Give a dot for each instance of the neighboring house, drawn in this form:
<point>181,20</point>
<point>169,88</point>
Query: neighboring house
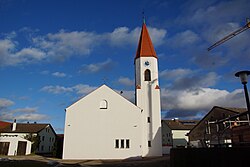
<point>105,125</point>
<point>22,138</point>
<point>174,133</point>
<point>208,134</point>
<point>241,135</point>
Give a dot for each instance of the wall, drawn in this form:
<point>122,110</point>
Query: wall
<point>13,139</point>
<point>148,98</point>
<point>180,138</point>
<point>48,142</point>
<point>90,132</point>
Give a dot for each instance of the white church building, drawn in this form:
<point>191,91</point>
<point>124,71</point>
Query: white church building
<point>105,125</point>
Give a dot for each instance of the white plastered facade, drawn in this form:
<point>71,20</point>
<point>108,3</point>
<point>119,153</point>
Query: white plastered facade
<point>13,143</point>
<point>148,98</point>
<point>96,122</point>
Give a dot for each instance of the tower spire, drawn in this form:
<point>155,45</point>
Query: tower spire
<point>145,46</point>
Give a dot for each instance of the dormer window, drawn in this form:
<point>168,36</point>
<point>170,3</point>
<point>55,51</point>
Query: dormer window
<point>103,104</point>
<point>147,75</point>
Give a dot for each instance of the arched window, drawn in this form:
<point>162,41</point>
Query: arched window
<point>147,75</point>
<point>103,104</point>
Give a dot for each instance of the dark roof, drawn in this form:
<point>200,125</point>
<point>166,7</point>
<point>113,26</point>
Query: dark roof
<point>4,124</point>
<point>237,110</point>
<point>180,124</point>
<point>24,128</point>
<point>232,109</point>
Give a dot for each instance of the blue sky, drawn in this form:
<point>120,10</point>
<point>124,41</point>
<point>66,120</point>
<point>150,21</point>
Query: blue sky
<point>54,52</point>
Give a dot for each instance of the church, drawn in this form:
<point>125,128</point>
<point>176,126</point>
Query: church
<point>105,125</point>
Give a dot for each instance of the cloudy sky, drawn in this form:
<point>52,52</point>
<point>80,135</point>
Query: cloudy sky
<point>54,52</point>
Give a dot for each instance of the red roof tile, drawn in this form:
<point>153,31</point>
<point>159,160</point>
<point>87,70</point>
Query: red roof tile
<point>145,46</point>
<point>4,124</point>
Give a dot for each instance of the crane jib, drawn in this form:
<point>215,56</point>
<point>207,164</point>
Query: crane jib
<point>231,35</point>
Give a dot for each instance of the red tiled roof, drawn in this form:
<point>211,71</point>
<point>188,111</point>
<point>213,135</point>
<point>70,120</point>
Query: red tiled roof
<point>4,124</point>
<point>145,46</point>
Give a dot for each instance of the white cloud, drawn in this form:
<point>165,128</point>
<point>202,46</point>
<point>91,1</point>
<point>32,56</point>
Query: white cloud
<point>185,79</point>
<point>26,110</point>
<point>9,56</point>
<point>126,81</point>
<point>4,103</point>
<point>83,89</point>
<point>179,103</point>
<point>205,13</point>
<point>20,114</point>
<point>127,94</point>
<point>59,74</point>
<point>157,35</point>
<point>123,36</point>
<point>56,89</point>
<point>78,89</point>
<point>93,68</point>
<point>175,73</point>
<point>62,45</point>
<point>31,117</point>
<point>184,39</point>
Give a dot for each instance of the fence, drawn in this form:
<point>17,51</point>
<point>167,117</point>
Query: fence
<point>210,157</point>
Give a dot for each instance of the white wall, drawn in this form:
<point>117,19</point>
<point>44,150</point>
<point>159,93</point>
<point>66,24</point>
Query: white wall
<point>46,145</point>
<point>90,132</point>
<point>13,139</point>
<point>180,138</point>
<point>148,98</point>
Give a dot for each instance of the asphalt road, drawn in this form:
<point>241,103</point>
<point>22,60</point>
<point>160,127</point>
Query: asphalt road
<point>40,161</point>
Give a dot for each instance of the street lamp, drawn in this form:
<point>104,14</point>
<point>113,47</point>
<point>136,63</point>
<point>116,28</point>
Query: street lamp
<point>243,77</point>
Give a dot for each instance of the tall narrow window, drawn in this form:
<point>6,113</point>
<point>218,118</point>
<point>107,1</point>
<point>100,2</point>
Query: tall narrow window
<point>122,143</point>
<point>147,75</point>
<point>149,120</point>
<point>103,104</point>
<point>127,143</point>
<point>116,143</point>
<point>149,143</point>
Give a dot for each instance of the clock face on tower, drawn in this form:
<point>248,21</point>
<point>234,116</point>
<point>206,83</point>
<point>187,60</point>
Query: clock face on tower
<point>146,63</point>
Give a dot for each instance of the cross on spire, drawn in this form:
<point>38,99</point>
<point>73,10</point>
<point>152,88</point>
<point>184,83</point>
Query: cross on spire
<point>143,17</point>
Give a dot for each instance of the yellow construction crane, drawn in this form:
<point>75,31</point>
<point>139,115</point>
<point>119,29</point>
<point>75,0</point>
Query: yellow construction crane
<point>231,35</point>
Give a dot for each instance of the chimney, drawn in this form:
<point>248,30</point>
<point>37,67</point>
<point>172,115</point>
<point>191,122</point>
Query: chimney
<point>14,125</point>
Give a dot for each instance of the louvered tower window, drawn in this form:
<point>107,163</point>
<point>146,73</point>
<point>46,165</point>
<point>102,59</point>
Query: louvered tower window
<point>147,75</point>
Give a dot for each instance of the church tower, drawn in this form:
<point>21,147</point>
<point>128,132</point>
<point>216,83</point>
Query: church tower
<point>148,94</point>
